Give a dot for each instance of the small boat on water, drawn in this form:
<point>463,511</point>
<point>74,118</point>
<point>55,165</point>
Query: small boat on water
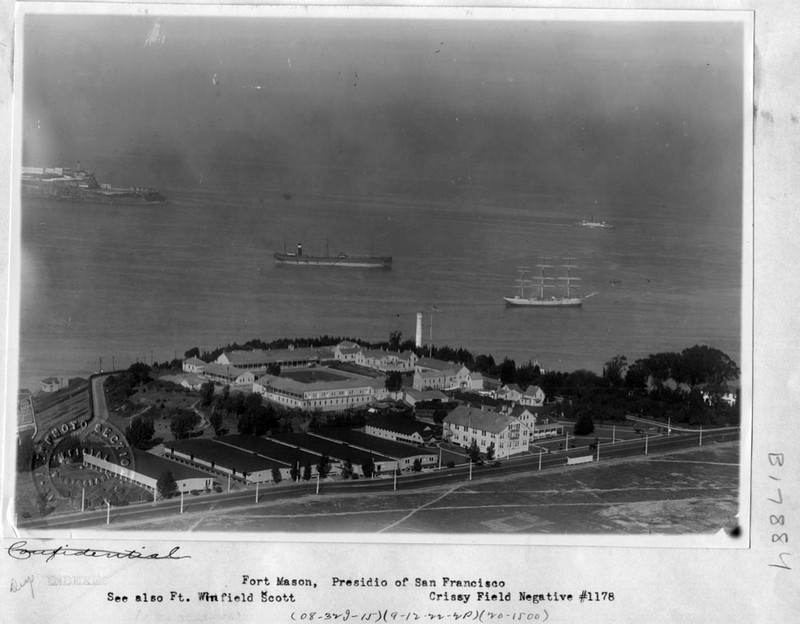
<point>538,299</point>
<point>591,223</point>
<point>298,258</point>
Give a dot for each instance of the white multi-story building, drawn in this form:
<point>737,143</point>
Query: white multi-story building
<point>506,433</point>
<point>534,395</point>
<point>537,419</point>
<point>326,396</point>
<point>193,365</point>
<point>346,351</point>
<point>386,361</point>
<point>455,377</point>
<point>226,374</point>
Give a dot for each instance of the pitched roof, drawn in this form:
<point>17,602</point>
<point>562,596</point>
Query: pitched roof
<point>292,385</point>
<point>398,424</point>
<point>195,361</point>
<point>224,370</point>
<point>426,395</point>
<point>432,374</point>
<point>260,356</point>
<point>154,466</point>
<point>483,420</point>
<point>436,364</point>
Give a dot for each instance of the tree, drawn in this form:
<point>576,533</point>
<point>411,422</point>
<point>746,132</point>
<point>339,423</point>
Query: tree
<point>508,371</point>
<point>274,369</point>
<point>636,375</point>
<point>473,452</point>
<point>394,381</point>
<point>347,470</point>
<point>417,466</point>
<point>395,338</point>
<point>526,375</point>
<point>485,364</point>
<point>368,468</point>
<point>182,423</point>
<point>166,485</point>
<point>140,432</point>
<point>614,371</point>
<point>206,393</point>
<point>215,419</point>
<point>139,373</point>
<point>490,451</point>
<point>585,424</point>
<point>323,466</point>
<point>276,475</point>
<point>294,471</point>
<point>193,352</point>
<point>703,364</point>
<point>307,472</point>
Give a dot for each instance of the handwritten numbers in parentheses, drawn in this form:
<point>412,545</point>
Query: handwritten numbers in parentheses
<point>778,520</point>
<point>19,585</point>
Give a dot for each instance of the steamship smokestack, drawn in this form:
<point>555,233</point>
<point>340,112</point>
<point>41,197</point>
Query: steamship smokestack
<point>418,341</point>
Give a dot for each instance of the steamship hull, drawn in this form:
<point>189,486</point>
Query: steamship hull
<point>342,260</point>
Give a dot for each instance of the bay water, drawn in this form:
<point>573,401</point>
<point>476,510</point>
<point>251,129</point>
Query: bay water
<point>147,282</point>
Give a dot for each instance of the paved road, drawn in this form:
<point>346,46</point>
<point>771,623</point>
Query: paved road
<point>658,444</point>
<point>99,407</point>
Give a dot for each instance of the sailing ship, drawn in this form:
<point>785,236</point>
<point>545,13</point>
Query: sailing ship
<point>298,258</point>
<point>537,297</point>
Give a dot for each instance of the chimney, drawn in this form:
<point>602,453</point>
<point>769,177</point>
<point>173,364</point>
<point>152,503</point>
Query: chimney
<point>418,341</point>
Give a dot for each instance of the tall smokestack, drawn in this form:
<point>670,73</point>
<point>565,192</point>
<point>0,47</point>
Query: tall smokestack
<point>418,340</point>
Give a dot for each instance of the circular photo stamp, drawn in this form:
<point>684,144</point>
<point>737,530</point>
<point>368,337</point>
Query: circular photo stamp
<point>89,462</point>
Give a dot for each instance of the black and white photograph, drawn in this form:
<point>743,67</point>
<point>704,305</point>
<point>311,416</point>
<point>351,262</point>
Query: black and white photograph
<point>399,313</point>
<point>382,275</point>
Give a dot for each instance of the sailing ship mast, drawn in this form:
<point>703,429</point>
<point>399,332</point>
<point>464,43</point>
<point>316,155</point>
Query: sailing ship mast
<point>542,266</point>
<point>569,279</point>
<point>522,283</point>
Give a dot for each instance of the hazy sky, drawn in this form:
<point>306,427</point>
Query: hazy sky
<point>590,109</point>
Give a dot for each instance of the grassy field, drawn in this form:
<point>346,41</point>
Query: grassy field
<point>694,491</point>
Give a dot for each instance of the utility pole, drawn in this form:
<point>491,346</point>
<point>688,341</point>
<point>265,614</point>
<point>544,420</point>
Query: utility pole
<point>645,443</point>
<point>256,491</point>
<point>701,435</point>
<point>395,479</point>
<point>470,469</point>
<point>83,494</point>
<point>540,458</point>
<point>318,482</point>
<point>181,502</point>
<point>108,512</point>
